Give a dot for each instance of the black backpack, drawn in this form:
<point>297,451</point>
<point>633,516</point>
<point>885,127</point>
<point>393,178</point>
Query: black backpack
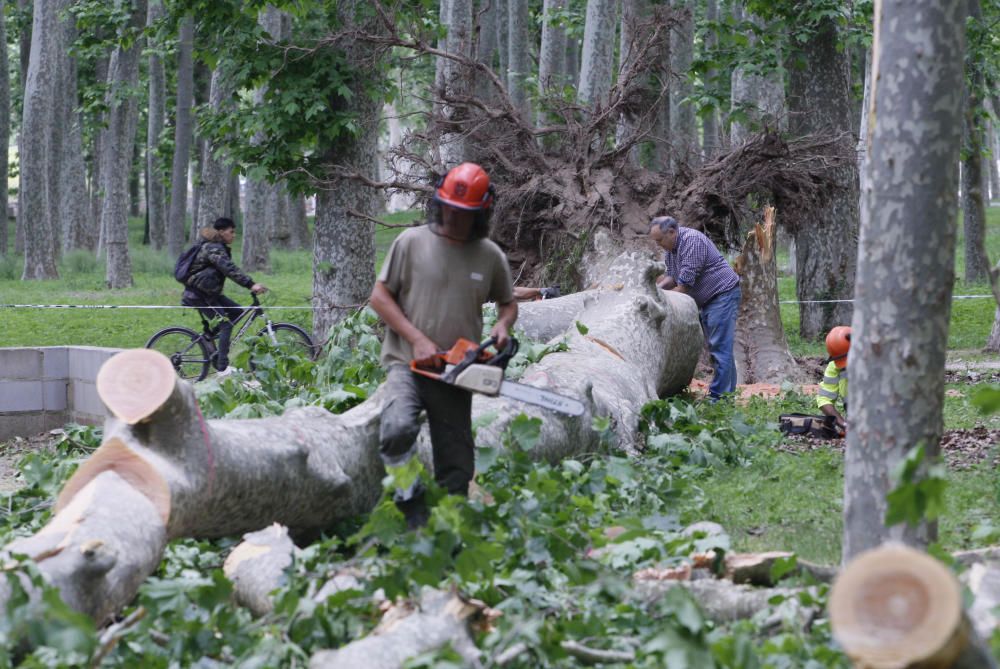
<point>817,427</point>
<point>182,268</point>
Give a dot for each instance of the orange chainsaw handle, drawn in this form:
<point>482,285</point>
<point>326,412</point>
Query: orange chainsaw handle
<point>460,356</point>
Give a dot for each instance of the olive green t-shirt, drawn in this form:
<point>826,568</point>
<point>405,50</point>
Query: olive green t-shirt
<point>441,287</point>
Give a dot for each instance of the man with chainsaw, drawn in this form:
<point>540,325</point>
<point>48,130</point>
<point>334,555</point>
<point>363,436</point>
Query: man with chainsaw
<point>833,388</point>
<point>430,293</point>
<point>695,267</point>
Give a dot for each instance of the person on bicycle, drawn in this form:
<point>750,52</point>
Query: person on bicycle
<point>430,293</point>
<point>203,289</point>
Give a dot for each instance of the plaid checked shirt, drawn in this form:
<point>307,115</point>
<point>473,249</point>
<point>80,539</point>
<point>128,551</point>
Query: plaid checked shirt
<point>696,264</point>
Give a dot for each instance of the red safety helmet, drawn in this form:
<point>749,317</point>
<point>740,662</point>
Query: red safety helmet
<point>838,343</point>
<point>465,187</point>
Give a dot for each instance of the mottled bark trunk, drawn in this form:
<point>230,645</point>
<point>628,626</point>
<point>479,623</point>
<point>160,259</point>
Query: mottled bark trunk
<point>298,225</point>
<point>826,244</point>
<point>24,53</point>
<point>662,148</point>
<point>4,131</point>
<point>183,136</point>
<point>214,174</point>
<point>486,46</point>
<point>77,226</point>
<point>993,137</point>
<point>977,265</point>
<point>455,79</point>
<point>759,98</point>
<point>519,67</point>
<point>119,144</point>
<point>164,472</point>
<point>633,11</point>
<point>280,233</point>
<point>155,190</point>
<point>711,140</point>
<point>598,59</point>
<point>900,329</point>
<point>761,350</point>
<point>993,342</point>
<point>137,166</point>
<point>95,185</point>
<point>552,55</point>
<point>41,138</point>
<point>683,129</point>
<point>502,26</point>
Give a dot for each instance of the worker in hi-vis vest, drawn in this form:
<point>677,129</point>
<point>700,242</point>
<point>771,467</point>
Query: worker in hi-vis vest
<point>833,389</point>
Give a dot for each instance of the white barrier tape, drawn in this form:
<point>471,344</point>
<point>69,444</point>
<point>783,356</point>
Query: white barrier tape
<point>954,297</point>
<point>162,306</point>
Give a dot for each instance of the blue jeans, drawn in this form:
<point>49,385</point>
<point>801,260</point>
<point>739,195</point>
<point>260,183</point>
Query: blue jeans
<point>718,321</point>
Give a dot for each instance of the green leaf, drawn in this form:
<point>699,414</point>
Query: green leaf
<point>987,400</point>
<point>783,566</point>
<point>525,432</point>
<point>581,328</point>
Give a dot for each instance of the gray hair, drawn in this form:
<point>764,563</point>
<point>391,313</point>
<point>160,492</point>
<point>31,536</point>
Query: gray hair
<point>664,223</point>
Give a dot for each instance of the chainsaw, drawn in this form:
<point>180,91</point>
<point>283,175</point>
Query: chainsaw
<point>470,366</point>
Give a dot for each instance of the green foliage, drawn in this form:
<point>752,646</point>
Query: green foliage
<point>919,491</point>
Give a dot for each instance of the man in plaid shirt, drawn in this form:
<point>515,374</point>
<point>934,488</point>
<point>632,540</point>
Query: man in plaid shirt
<point>695,267</point>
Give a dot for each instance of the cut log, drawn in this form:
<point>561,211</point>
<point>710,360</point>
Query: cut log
<point>761,350</point>
<point>191,477</point>
<point>258,565</point>
<point>408,629</point>
<point>896,607</point>
<point>726,602</point>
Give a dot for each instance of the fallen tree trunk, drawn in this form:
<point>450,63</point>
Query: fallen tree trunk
<point>191,477</point>
<point>257,567</point>
<point>894,606</point>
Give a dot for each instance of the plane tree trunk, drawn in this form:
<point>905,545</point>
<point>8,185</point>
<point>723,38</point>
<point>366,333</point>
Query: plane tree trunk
<point>183,136</point>
<point>900,327</point>
<point>164,471</point>
<point>762,354</point>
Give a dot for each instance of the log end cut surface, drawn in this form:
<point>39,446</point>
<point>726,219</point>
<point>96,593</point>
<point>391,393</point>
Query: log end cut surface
<point>135,383</point>
<point>897,607</point>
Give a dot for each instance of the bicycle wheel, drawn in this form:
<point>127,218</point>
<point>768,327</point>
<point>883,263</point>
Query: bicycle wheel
<point>290,339</point>
<point>186,350</point>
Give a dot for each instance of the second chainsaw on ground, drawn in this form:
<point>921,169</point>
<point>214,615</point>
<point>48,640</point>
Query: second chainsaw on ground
<point>471,366</point>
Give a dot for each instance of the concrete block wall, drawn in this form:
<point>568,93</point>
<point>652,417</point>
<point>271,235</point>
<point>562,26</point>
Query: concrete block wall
<point>45,387</point>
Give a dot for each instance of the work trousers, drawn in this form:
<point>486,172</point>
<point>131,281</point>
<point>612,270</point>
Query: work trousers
<point>718,320</point>
<point>223,308</point>
<point>449,415</point>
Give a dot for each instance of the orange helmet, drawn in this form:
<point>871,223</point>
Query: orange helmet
<point>465,187</point>
<point>838,342</point>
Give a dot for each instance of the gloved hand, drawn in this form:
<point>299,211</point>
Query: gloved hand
<point>550,292</point>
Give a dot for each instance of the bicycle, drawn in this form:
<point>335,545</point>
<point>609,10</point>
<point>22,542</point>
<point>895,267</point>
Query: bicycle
<point>192,353</point>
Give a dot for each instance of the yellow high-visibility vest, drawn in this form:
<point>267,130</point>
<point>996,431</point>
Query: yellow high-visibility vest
<point>833,387</point>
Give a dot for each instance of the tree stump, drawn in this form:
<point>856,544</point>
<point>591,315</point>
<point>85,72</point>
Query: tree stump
<point>895,607</point>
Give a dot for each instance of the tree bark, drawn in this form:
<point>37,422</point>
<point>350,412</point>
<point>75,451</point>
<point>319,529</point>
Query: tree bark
<point>977,266</point>
<point>4,132</point>
<point>711,142</point>
<point>993,341</point>
<point>298,224</point>
<point>41,138</point>
<point>900,329</point>
<point>597,61</point>
<point>502,29</point>
<point>309,468</point>
<point>155,190</point>
<point>760,97</point>
<point>993,137</point>
<point>455,80</point>
<point>552,55</point>
<point>825,245</point>
<point>183,136</point>
<point>24,49</point>
<point>633,11</point>
<point>214,174</point>
<point>761,351</point>
<point>518,56</point>
<point>117,149</point>
<point>258,565</point>
<point>683,129</point>
<point>898,607</point>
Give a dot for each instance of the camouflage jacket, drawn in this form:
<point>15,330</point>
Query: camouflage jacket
<point>212,265</point>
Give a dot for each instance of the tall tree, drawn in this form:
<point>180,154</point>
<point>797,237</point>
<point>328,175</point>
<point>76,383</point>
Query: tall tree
<point>298,226</point>
<point>633,12</point>
<point>518,56</point>
<point>4,130</point>
<point>78,225</point>
<point>710,120</point>
<point>214,174</point>
<point>503,28</point>
<point>552,55</point>
<point>994,146</point>
<point>183,136</point>
<point>597,61</point>
<point>683,126</point>
<point>454,80</point>
<point>757,94</point>
<point>118,146</point>
<point>41,137</point>
<point>900,327</point>
<point>156,113</point>
<point>820,101</point>
<point>974,139</point>
<point>25,8</point>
